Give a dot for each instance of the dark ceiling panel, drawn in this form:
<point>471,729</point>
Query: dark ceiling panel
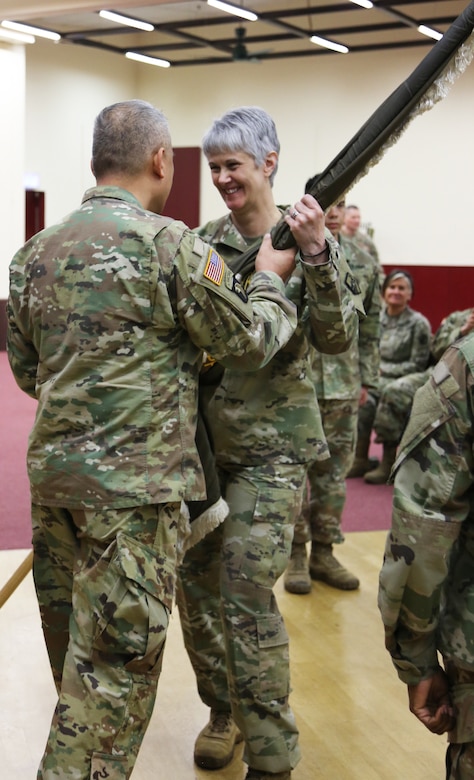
<point>191,33</point>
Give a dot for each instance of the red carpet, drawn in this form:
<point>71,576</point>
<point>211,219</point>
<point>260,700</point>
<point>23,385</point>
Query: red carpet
<point>368,507</point>
<point>17,415</point>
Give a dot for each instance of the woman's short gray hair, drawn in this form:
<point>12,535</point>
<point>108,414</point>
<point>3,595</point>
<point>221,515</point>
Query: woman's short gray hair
<point>246,129</point>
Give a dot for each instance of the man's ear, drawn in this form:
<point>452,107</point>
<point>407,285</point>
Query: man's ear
<point>92,167</point>
<point>270,163</point>
<point>159,162</point>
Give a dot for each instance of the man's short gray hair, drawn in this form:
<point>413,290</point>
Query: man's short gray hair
<point>125,135</point>
<point>246,129</point>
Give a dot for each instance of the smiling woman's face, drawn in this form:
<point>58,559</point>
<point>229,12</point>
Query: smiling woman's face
<point>397,293</point>
<point>239,180</point>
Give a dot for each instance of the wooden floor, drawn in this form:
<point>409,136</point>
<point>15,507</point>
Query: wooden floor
<point>351,709</point>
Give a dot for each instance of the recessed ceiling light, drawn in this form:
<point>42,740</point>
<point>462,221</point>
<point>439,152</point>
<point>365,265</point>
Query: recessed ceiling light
<point>127,21</point>
<point>329,44</point>
<point>236,10</point>
<point>363,3</point>
<point>132,55</point>
<point>424,30</point>
<point>26,28</point>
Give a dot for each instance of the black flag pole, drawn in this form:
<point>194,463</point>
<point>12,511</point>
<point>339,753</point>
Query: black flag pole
<point>424,87</point>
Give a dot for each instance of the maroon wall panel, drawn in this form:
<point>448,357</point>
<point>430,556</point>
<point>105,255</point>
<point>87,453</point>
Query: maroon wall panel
<point>184,199</point>
<point>439,290</point>
<point>34,212</point>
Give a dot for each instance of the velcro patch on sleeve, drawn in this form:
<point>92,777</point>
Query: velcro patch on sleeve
<point>352,284</point>
<point>214,269</point>
<point>444,379</point>
<point>198,246</point>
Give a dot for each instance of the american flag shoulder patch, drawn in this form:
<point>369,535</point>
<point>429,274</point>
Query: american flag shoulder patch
<point>214,270</point>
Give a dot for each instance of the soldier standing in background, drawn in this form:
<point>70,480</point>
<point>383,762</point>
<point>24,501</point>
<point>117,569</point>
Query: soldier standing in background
<point>405,343</point>
<point>266,428</point>
<point>350,229</point>
<point>108,316</point>
<point>426,587</point>
<point>342,382</point>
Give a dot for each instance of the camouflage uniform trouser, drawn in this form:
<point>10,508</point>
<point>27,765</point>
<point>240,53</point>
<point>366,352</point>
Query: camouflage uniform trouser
<point>105,583</point>
<point>387,409</point>
<point>325,494</point>
<point>460,753</point>
<point>233,631</point>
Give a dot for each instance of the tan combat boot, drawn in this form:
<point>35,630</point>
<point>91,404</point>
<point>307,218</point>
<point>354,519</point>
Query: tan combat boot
<point>325,567</point>
<point>297,579</point>
<point>380,475</point>
<point>361,463</point>
<point>214,746</point>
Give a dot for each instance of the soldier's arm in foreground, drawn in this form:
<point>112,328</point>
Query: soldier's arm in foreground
<point>433,478</point>
<point>239,328</point>
<point>242,328</point>
<point>22,354</point>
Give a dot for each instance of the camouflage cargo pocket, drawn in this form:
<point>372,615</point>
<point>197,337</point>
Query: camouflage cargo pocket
<point>130,619</point>
<point>266,536</point>
<point>260,667</point>
<point>110,767</point>
<point>274,681</point>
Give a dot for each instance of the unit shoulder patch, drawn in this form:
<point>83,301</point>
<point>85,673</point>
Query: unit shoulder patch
<point>352,284</point>
<point>234,284</point>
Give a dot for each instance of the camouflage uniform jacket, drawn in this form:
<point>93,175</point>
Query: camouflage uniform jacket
<point>365,242</point>
<point>448,332</point>
<point>109,313</point>
<point>426,590</point>
<point>272,415</point>
<point>405,343</point>
<point>341,376</point>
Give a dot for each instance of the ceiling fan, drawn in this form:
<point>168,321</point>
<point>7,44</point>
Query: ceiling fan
<point>240,52</point>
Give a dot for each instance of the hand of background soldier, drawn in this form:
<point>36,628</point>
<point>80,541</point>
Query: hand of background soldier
<point>430,702</point>
<point>280,261</point>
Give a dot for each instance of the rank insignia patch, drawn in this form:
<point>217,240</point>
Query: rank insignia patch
<point>352,284</point>
<point>238,288</point>
<point>214,269</point>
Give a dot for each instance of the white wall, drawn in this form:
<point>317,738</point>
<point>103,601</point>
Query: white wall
<point>12,146</point>
<point>418,198</point>
<point>66,87</point>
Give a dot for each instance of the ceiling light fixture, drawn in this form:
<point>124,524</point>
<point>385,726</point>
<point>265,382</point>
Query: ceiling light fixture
<point>25,28</point>
<point>329,44</point>
<point>132,55</point>
<point>15,37</point>
<point>236,10</point>
<point>424,30</point>
<point>126,20</point>
<point>363,3</point>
